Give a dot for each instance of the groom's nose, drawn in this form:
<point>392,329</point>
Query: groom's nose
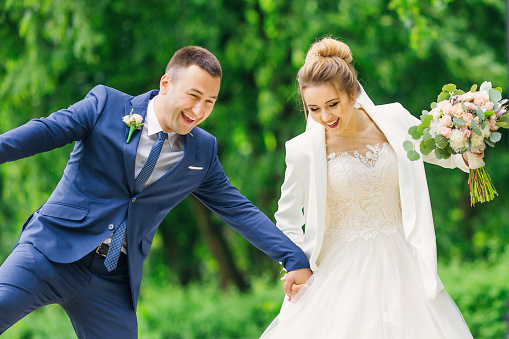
<point>198,109</point>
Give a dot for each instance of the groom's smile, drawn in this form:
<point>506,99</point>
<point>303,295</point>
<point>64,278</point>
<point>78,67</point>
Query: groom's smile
<point>186,100</point>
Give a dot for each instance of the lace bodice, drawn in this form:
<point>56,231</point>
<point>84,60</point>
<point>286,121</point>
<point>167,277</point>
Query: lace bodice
<point>363,193</point>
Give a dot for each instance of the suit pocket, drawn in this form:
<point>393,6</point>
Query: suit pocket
<point>145,245</point>
<point>62,211</point>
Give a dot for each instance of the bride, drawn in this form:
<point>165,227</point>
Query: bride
<point>369,232</point>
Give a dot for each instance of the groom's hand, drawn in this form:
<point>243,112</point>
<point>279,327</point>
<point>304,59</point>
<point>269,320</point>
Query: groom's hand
<point>296,277</point>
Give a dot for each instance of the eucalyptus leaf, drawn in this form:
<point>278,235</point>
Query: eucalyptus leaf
<point>450,150</point>
<point>412,130</point>
<point>502,124</point>
<point>499,89</point>
<point>495,136</point>
<point>483,123</point>
<point>426,121</point>
<point>475,128</point>
<point>443,143</point>
<point>464,107</point>
<point>496,106</point>
<point>480,113</point>
<point>459,121</point>
<point>433,105</point>
<point>443,96</point>
<point>489,143</point>
<point>430,143</point>
<point>503,118</point>
<point>485,86</point>
<point>473,88</point>
<point>449,87</point>
<point>458,92</point>
<point>413,155</point>
<point>438,155</point>
<point>495,96</point>
<point>426,151</point>
<point>408,145</point>
<point>416,135</point>
<point>503,101</point>
<point>438,138</point>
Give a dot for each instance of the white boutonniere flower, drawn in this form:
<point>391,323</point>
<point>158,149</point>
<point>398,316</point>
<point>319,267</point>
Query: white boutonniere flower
<point>134,122</point>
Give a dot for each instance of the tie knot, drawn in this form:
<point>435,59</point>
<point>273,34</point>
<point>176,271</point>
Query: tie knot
<point>162,135</point>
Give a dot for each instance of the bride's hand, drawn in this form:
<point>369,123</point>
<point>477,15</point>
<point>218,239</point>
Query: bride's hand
<point>295,280</point>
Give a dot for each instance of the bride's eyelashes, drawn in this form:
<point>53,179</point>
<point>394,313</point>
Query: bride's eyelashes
<point>314,109</point>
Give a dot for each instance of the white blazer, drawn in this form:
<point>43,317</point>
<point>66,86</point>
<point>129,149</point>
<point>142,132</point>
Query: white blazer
<point>304,191</point>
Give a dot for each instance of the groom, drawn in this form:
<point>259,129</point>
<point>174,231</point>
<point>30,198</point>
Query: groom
<point>84,248</point>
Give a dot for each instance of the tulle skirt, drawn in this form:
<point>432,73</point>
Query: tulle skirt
<point>367,289</point>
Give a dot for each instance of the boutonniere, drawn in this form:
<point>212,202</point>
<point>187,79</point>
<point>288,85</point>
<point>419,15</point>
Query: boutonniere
<point>133,121</point>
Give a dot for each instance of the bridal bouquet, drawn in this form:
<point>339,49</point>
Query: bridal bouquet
<point>460,123</point>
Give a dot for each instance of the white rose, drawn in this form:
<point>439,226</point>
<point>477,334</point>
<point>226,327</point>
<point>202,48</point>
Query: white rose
<point>456,140</point>
<point>486,132</point>
<point>476,140</point>
<point>434,127</point>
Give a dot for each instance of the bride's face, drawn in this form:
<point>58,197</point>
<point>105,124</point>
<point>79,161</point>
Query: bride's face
<point>330,108</point>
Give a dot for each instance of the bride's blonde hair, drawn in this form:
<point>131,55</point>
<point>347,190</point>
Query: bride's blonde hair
<point>329,61</point>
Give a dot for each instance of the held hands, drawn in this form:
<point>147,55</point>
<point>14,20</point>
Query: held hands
<point>295,280</point>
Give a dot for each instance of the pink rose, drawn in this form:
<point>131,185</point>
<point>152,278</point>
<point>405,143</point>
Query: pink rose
<point>493,126</point>
<point>468,117</point>
<point>488,105</point>
<point>445,131</point>
<point>478,100</point>
<point>446,120</point>
<point>470,105</point>
<point>136,117</point>
<point>466,134</point>
<point>467,96</point>
<point>457,110</point>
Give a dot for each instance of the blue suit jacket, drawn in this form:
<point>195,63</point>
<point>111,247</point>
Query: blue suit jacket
<point>97,187</point>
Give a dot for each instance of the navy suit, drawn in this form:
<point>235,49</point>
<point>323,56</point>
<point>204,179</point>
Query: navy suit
<point>96,191</point>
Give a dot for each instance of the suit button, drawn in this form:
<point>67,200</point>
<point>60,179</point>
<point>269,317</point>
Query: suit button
<point>111,227</point>
<point>133,199</point>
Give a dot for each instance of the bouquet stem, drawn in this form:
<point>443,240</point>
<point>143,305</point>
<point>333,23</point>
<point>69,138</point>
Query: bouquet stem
<point>481,186</point>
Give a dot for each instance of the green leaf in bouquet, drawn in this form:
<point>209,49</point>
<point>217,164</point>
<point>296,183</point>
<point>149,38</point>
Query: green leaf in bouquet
<point>433,105</point>
<point>464,107</point>
<point>430,143</point>
<point>483,123</point>
<point>414,132</point>
<point>489,143</point>
<point>501,124</point>
<point>426,151</point>
<point>413,155</point>
<point>488,114</point>
<point>475,128</point>
<point>495,96</point>
<point>408,145</point>
<point>443,152</point>
<point>449,88</point>
<point>503,118</point>
<point>425,134</point>
<point>473,88</point>
<point>438,155</point>
<point>443,143</point>
<point>424,114</point>
<point>426,121</point>
<point>480,113</point>
<point>459,121</point>
<point>485,86</point>
<point>499,89</point>
<point>450,150</point>
<point>501,102</point>
<point>458,92</point>
<point>495,136</point>
<point>443,96</point>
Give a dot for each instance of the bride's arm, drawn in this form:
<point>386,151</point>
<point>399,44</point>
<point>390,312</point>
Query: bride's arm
<point>290,216</point>
<point>454,161</point>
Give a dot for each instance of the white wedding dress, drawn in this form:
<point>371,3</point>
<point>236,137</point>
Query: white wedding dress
<point>368,284</point>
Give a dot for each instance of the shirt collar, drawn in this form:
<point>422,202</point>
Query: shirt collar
<point>153,126</point>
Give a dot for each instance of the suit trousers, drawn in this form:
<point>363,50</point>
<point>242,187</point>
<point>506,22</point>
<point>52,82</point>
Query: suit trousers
<point>98,302</point>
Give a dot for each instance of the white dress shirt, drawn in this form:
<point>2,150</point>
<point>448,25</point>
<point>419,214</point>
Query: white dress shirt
<point>171,153</point>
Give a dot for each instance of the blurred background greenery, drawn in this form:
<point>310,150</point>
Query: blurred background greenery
<point>202,280</point>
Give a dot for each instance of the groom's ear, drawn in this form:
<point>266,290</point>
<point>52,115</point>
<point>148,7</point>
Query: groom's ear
<point>165,83</point>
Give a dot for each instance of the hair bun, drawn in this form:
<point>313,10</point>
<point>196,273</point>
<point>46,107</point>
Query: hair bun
<point>329,47</point>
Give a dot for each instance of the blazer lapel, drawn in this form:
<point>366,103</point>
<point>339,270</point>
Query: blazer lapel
<point>139,106</point>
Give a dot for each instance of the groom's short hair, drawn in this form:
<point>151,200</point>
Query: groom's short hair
<point>193,55</point>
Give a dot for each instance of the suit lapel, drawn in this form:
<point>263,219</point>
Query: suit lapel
<point>139,106</point>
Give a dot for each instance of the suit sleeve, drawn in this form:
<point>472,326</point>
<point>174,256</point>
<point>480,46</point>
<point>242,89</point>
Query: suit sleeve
<point>233,208</point>
<point>289,216</point>
<point>455,161</point>
<point>56,130</point>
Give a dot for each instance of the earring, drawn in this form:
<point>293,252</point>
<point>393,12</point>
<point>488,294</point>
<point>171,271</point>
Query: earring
<point>356,104</point>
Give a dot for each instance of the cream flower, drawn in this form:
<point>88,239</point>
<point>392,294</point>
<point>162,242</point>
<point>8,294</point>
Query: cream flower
<point>456,140</point>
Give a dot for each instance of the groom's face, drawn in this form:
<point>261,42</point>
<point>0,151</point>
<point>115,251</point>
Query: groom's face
<point>186,101</point>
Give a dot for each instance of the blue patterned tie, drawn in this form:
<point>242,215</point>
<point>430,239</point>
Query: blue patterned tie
<point>118,236</point>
